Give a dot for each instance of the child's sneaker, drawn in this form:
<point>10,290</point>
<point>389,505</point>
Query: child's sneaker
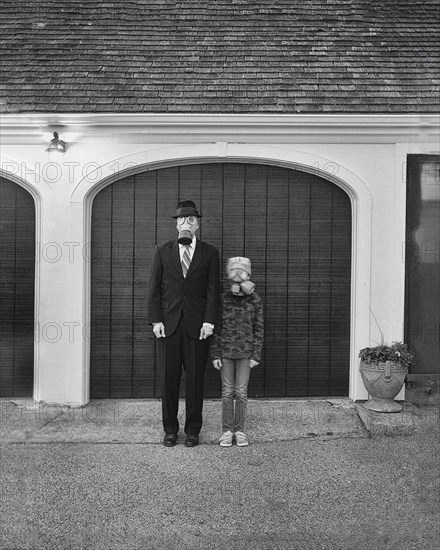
<point>226,439</point>
<point>241,439</point>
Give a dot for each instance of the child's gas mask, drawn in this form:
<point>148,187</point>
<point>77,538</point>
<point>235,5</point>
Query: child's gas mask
<point>186,226</point>
<point>239,272</point>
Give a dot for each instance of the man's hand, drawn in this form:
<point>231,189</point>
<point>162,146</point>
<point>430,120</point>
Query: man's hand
<point>253,363</point>
<point>206,331</point>
<point>159,330</point>
<point>217,363</point>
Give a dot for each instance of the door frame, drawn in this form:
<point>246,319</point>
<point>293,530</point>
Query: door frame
<point>164,157</point>
<point>35,194</point>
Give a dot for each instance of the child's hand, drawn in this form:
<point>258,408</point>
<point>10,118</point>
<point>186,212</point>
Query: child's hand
<point>217,364</point>
<point>253,363</point>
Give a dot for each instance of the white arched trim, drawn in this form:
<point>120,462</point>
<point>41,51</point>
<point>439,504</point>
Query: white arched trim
<point>352,184</point>
<point>37,202</point>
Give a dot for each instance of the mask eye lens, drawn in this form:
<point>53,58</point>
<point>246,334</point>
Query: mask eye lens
<point>240,272</point>
<point>190,219</point>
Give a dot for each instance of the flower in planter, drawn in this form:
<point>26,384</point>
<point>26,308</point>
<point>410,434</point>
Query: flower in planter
<point>397,352</point>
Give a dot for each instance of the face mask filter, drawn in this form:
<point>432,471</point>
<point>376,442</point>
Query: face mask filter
<point>247,287</point>
<point>185,237</point>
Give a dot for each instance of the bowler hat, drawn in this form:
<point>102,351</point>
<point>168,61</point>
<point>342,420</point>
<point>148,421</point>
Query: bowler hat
<point>186,208</point>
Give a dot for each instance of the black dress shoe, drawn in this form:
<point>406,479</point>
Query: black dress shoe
<point>191,440</point>
<point>170,440</point>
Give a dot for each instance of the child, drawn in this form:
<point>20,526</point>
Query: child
<point>236,347</point>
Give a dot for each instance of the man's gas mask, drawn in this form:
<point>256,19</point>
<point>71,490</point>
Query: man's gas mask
<point>186,226</point>
<point>239,272</point>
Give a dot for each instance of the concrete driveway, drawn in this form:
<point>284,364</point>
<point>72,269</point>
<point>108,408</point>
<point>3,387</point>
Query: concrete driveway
<point>312,478</point>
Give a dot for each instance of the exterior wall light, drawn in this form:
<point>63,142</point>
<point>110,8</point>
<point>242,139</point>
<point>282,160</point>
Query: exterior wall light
<point>57,144</point>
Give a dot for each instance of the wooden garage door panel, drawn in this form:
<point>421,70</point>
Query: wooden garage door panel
<point>17,278</point>
<point>295,227</point>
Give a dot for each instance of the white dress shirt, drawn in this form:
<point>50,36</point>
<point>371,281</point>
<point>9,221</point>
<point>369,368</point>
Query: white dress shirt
<point>191,250</point>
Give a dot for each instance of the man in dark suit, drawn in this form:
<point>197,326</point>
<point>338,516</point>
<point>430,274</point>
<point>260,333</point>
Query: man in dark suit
<point>183,297</point>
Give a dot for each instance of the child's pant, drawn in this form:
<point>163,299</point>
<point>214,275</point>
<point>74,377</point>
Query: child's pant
<point>235,377</point>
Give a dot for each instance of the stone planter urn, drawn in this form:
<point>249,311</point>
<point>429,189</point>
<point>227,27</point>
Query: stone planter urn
<point>383,381</point>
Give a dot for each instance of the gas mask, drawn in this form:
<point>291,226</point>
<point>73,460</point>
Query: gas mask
<point>239,272</point>
<point>186,226</point>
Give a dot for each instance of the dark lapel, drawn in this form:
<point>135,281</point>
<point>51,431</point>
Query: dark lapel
<point>197,257</point>
<point>175,256</point>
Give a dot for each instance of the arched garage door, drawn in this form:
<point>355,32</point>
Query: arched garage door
<point>295,227</point>
<point>17,281</point>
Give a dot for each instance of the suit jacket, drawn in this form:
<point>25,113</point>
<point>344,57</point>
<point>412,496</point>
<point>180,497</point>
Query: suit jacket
<point>171,294</point>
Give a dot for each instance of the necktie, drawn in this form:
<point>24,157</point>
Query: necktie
<point>186,260</point>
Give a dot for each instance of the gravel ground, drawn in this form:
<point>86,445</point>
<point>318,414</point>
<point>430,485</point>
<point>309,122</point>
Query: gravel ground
<point>315,493</point>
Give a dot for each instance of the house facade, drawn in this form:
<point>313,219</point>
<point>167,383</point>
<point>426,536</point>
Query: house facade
<point>307,134</point>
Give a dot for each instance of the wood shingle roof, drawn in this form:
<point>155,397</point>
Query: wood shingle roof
<point>220,56</point>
